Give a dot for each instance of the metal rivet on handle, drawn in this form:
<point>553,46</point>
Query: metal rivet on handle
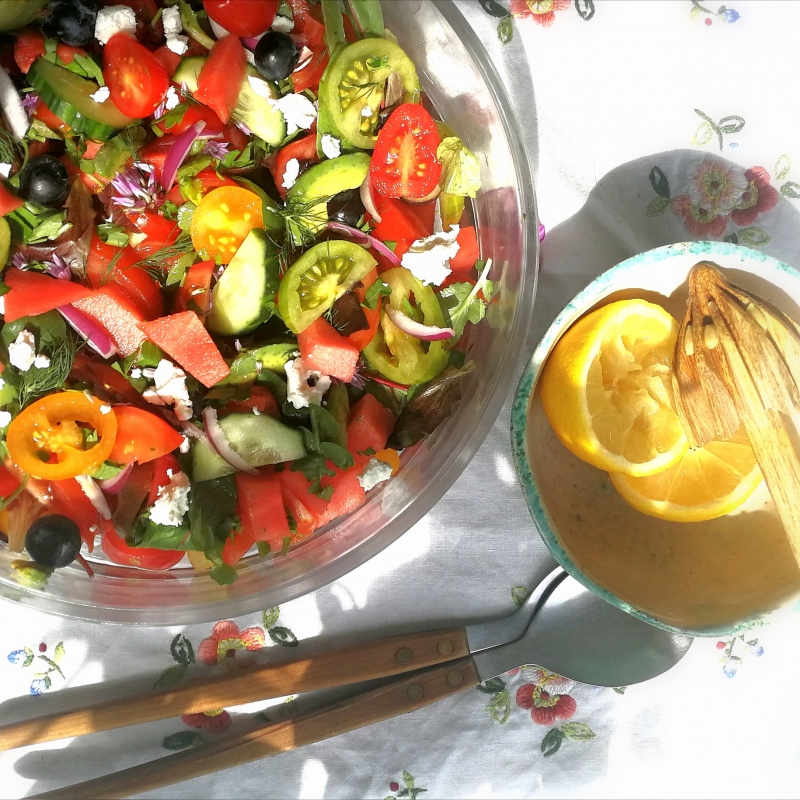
<point>415,692</point>
<point>403,656</point>
<point>455,678</point>
<point>445,647</point>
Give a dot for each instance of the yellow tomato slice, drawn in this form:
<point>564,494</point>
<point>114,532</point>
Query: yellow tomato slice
<point>223,219</point>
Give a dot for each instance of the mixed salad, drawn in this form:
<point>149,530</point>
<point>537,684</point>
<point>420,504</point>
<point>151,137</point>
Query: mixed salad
<point>239,275</point>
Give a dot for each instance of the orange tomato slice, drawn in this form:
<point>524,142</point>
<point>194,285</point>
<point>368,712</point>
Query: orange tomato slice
<point>223,219</point>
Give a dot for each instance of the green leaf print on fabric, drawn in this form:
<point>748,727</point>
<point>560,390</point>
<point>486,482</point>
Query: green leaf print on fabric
<point>782,167</point>
<point>791,189</point>
<point>552,742</point>
<point>704,134</point>
<point>659,182</point>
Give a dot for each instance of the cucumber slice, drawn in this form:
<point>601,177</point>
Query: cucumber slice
<point>16,13</point>
<point>67,96</point>
<point>259,440</point>
<point>252,109</point>
<point>239,300</point>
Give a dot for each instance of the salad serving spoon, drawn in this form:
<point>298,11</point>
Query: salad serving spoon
<point>561,626</point>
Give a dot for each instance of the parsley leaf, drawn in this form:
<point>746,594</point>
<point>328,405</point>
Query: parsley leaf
<point>461,171</point>
<point>378,289</point>
<point>468,307</point>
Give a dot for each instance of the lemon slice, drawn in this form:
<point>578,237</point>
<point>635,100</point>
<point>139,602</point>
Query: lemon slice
<point>707,482</point>
<point>607,389</point>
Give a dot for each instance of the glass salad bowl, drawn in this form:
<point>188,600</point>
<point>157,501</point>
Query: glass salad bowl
<point>463,87</point>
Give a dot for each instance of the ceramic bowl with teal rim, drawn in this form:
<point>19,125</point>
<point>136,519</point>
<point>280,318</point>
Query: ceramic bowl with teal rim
<point>711,578</point>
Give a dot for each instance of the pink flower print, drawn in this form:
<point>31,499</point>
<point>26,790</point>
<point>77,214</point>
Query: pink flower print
<point>226,639</point>
<point>555,684</point>
<point>717,187</point>
<point>214,721</point>
<point>545,708</point>
<point>542,11</point>
<point>700,222</point>
<point>757,198</point>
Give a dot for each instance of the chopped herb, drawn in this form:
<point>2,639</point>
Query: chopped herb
<point>113,234</point>
<point>378,289</point>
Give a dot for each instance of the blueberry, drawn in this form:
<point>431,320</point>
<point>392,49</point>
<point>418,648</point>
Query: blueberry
<point>44,181</point>
<point>53,540</point>
<point>73,21</point>
<point>276,56</point>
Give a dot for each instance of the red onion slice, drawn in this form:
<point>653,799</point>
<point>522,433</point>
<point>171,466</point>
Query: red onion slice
<point>217,29</point>
<point>178,152</point>
<point>114,485</point>
<point>303,59</point>
<point>426,333</point>
<point>386,382</point>
<point>364,239</point>
<point>95,335</point>
<point>96,497</point>
<point>220,443</point>
<point>368,200</point>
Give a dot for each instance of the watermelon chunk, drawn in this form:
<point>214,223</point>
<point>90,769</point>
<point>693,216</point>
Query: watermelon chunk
<point>324,349</point>
<point>369,428</point>
<point>113,308</point>
<point>183,337</point>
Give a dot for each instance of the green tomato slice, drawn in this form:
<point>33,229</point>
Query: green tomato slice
<point>396,355</point>
<point>355,80</point>
<point>318,279</point>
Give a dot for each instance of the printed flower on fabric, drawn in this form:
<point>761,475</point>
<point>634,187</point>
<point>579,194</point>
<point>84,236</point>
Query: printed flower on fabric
<point>542,11</point>
<point>226,639</point>
<point>757,198</point>
<point>715,190</point>
<point>546,698</point>
<point>214,721</point>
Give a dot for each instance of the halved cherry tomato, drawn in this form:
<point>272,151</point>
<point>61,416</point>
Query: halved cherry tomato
<point>404,162</point>
<point>310,75</point>
<point>242,17</point>
<point>195,113</point>
<point>196,289</point>
<point>136,79</point>
<point>164,467</point>
<point>106,382</point>
<point>361,339</point>
<point>303,149</point>
<point>115,547</point>
<point>221,76</point>
<point>159,230</point>
<point>142,436</point>
<point>50,425</point>
<point>223,219</point>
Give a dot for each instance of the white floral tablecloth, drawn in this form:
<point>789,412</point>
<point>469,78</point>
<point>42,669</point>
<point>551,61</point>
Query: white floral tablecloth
<point>652,122</point>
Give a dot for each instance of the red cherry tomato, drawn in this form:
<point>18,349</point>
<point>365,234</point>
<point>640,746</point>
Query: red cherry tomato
<point>404,162</point>
<point>242,17</point>
<point>136,79</point>
<point>115,547</point>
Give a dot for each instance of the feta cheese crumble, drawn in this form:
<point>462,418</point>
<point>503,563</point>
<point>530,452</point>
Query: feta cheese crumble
<point>41,361</point>
<point>331,146</point>
<point>22,351</point>
<point>297,110</point>
<point>304,386</point>
<point>290,173</point>
<point>172,99</point>
<point>136,373</point>
<point>5,169</point>
<point>105,408</point>
<point>374,473</point>
<point>282,24</point>
<point>367,112</point>
<point>170,389</point>
<point>101,95</point>
<point>173,28</point>
<point>5,419</point>
<point>185,445</point>
<point>172,502</point>
<point>112,20</point>
<point>428,259</point>
<point>2,304</point>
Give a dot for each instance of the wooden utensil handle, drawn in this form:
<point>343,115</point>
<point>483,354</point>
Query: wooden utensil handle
<point>399,697</point>
<point>379,658</point>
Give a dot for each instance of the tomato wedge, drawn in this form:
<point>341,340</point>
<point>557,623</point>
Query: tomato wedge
<point>142,436</point>
<point>136,79</point>
<point>242,17</point>
<point>404,162</point>
<point>221,76</point>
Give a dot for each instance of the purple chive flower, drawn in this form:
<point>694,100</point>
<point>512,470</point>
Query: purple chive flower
<point>358,381</point>
<point>29,102</point>
<point>58,268</point>
<point>217,150</point>
<point>243,128</point>
<point>541,232</point>
<point>20,261</point>
<point>136,188</point>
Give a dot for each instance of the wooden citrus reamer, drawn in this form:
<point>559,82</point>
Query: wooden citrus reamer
<point>737,361</point>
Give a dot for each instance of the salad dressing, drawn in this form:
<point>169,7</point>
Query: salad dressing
<point>690,575</point>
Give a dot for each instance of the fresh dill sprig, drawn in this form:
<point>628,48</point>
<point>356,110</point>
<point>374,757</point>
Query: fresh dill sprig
<point>38,381</point>
<point>303,221</point>
<point>9,149</point>
<point>156,263</point>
